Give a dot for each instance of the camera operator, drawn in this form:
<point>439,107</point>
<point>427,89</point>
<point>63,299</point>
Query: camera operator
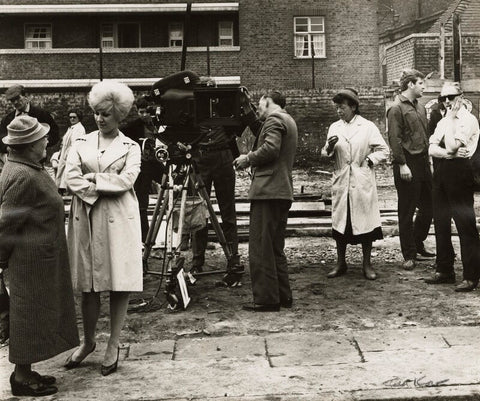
<point>216,152</point>
<point>140,129</point>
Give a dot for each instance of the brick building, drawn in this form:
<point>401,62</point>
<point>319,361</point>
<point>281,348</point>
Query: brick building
<point>422,50</point>
<point>263,44</point>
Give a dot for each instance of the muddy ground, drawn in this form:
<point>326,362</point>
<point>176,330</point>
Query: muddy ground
<point>397,299</point>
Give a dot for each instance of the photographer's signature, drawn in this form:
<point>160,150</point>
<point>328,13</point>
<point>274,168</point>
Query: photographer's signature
<point>416,382</point>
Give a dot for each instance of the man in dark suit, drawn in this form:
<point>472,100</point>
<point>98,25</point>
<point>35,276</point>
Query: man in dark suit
<point>139,130</point>
<point>17,97</point>
<point>271,195</point>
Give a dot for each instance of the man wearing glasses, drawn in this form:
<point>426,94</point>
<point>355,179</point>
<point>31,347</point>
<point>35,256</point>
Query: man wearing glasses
<point>75,131</point>
<point>453,143</point>
<point>17,97</point>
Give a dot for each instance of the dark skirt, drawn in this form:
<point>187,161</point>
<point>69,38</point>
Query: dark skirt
<point>350,238</point>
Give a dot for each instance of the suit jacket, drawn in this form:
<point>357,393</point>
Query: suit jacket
<point>41,115</point>
<point>273,156</point>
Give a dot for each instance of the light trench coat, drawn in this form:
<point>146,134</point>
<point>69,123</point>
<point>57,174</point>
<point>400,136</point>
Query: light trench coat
<point>353,179</point>
<point>104,233</point>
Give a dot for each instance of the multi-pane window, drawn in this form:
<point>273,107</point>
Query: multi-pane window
<point>309,35</point>
<point>107,36</point>
<point>225,33</point>
<point>38,36</point>
<point>120,35</point>
<point>175,34</point>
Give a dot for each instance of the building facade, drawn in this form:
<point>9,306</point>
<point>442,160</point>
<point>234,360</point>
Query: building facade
<point>260,43</point>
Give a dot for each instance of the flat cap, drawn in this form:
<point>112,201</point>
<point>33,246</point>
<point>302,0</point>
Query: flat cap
<point>14,91</point>
<point>348,93</point>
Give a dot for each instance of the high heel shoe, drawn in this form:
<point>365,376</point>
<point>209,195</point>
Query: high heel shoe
<point>71,364</point>
<point>108,370</point>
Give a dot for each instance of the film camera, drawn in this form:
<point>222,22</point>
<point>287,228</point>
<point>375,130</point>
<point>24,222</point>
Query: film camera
<point>184,104</point>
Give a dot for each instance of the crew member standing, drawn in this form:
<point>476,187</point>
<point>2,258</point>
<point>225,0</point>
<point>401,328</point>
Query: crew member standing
<point>271,195</point>
<point>17,97</point>
<point>452,144</point>
<point>407,134</point>
<point>139,130</point>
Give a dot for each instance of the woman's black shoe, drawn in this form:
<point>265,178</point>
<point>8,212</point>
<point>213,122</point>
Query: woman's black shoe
<point>32,388</point>
<point>108,370</point>
<point>44,379</point>
<point>71,364</point>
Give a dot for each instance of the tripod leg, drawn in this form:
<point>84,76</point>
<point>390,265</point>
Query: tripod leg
<point>233,276</point>
<point>158,214</point>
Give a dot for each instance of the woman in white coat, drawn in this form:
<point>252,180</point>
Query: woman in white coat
<point>356,146</point>
<point>104,231</point>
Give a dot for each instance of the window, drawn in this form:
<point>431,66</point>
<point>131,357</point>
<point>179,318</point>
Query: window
<point>175,34</point>
<point>309,31</point>
<point>38,36</point>
<point>225,33</point>
<point>120,35</point>
<point>108,37</point>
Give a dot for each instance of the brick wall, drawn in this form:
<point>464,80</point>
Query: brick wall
<point>422,52</point>
<point>312,110</point>
<point>265,59</point>
<point>399,57</point>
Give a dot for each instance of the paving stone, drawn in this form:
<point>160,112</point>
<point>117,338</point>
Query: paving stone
<point>385,340</point>
<point>311,349</point>
<point>152,351</point>
<point>220,347</point>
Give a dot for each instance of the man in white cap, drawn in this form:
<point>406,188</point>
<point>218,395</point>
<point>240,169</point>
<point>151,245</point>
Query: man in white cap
<point>453,143</point>
<point>16,95</point>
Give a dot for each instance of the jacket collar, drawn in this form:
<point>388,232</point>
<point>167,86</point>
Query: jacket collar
<point>17,158</point>
<point>117,149</point>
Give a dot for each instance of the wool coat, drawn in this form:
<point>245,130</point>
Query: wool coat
<point>33,245</point>
<point>104,233</point>
<point>353,179</point>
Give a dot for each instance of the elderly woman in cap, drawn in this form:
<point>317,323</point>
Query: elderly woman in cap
<point>34,249</point>
<point>356,146</point>
<point>104,225</point>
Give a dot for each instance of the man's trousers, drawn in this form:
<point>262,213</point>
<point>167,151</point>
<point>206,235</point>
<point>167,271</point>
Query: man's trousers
<point>268,263</point>
<point>414,194</point>
<point>453,198</point>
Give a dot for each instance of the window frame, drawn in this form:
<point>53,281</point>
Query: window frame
<point>309,35</point>
<point>114,37</point>
<point>48,40</point>
<point>229,37</point>
<point>170,31</point>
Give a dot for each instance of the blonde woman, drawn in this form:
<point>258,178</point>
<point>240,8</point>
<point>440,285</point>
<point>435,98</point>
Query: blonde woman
<point>104,226</point>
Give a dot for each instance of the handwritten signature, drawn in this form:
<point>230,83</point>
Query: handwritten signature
<point>416,382</point>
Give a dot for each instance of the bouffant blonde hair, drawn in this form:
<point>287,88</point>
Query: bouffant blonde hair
<point>111,96</point>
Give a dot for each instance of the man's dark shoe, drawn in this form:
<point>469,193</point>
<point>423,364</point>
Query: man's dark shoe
<point>261,308</point>
<point>287,303</point>
<point>409,264</point>
<point>441,278</point>
<point>337,271</point>
<point>466,286</point>
<point>424,253</point>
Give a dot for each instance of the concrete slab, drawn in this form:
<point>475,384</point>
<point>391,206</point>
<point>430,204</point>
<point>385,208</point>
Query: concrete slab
<point>370,341</point>
<point>152,352</point>
<point>311,349</point>
<point>220,348</point>
<point>292,367</point>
